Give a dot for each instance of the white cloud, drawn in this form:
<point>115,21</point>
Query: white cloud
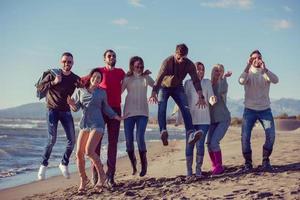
<point>287,9</point>
<point>281,24</point>
<point>136,3</point>
<point>120,21</point>
<point>241,4</point>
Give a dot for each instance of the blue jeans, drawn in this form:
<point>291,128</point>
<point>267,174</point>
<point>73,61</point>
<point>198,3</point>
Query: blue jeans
<point>179,96</point>
<point>189,149</point>
<point>66,119</point>
<point>265,117</point>
<point>141,124</point>
<point>216,133</point>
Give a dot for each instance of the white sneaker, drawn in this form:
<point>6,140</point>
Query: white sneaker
<point>195,136</point>
<point>64,170</point>
<point>42,173</point>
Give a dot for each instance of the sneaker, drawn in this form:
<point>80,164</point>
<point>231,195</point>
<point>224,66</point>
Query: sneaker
<point>64,170</point>
<point>164,137</point>
<point>194,136</point>
<point>42,173</point>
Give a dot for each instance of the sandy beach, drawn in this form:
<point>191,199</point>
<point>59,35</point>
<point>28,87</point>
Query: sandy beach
<point>166,175</point>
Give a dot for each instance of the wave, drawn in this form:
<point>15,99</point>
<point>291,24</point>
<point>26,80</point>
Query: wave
<point>19,126</point>
<point>3,136</point>
<point>15,171</point>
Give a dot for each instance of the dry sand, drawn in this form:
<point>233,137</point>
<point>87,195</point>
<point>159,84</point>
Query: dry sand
<point>166,170</point>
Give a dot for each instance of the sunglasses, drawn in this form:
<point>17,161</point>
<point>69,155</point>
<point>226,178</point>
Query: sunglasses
<point>111,56</point>
<point>66,61</point>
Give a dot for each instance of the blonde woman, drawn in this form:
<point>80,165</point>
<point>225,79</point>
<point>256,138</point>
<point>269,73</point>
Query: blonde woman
<point>220,118</point>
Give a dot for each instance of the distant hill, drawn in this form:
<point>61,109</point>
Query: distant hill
<point>38,110</point>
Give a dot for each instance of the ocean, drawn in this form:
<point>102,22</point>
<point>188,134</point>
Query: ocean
<point>22,143</point>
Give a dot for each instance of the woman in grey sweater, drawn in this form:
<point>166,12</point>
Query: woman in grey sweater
<point>220,118</point>
<point>92,101</point>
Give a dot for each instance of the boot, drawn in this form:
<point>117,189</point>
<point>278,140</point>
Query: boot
<point>132,158</point>
<point>189,164</point>
<point>199,162</point>
<point>218,161</point>
<point>110,180</point>
<point>266,165</point>
<point>144,163</point>
<point>248,161</point>
<point>213,162</point>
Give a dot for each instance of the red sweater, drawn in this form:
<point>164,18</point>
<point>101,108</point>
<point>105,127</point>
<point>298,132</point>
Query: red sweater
<point>112,83</point>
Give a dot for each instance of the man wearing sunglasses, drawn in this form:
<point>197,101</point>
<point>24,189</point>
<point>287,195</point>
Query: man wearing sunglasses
<point>169,83</point>
<point>58,89</point>
<point>111,83</point>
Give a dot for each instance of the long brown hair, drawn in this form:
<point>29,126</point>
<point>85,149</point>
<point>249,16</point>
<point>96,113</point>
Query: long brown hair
<point>88,81</point>
<point>131,64</point>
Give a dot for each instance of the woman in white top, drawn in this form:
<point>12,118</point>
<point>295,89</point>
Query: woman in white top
<point>200,117</point>
<point>136,110</point>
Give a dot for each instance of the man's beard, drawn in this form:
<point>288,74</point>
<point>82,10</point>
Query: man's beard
<point>67,68</point>
<point>112,63</point>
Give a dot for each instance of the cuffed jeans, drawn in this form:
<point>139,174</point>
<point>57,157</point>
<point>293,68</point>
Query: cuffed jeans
<point>189,148</point>
<point>141,124</point>
<point>113,129</point>
<point>66,119</point>
<point>216,133</point>
<point>179,96</point>
<point>266,119</point>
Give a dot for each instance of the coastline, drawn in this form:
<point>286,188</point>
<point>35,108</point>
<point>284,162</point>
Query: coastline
<point>166,170</point>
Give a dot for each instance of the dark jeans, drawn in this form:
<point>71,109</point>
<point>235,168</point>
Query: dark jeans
<point>265,117</point>
<point>141,124</point>
<point>179,96</point>
<point>66,119</point>
<point>113,128</point>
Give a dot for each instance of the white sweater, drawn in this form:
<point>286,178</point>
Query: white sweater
<point>136,99</point>
<point>199,115</point>
<point>257,87</point>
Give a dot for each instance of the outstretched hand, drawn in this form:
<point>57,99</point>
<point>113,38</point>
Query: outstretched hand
<point>120,118</point>
<point>201,103</point>
<point>228,74</point>
<point>146,72</point>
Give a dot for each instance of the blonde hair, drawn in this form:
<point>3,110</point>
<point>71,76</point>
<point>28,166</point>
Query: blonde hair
<point>219,67</point>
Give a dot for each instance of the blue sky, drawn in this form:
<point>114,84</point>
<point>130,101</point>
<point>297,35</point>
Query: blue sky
<point>34,33</point>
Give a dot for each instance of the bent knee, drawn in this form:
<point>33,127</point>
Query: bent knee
<point>80,154</point>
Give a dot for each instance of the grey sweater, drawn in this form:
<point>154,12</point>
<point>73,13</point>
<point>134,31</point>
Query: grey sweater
<point>219,111</point>
<point>92,105</point>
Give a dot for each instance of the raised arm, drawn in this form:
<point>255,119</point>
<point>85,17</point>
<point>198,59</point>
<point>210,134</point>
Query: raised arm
<point>45,84</point>
<point>268,75</point>
<point>150,81</point>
